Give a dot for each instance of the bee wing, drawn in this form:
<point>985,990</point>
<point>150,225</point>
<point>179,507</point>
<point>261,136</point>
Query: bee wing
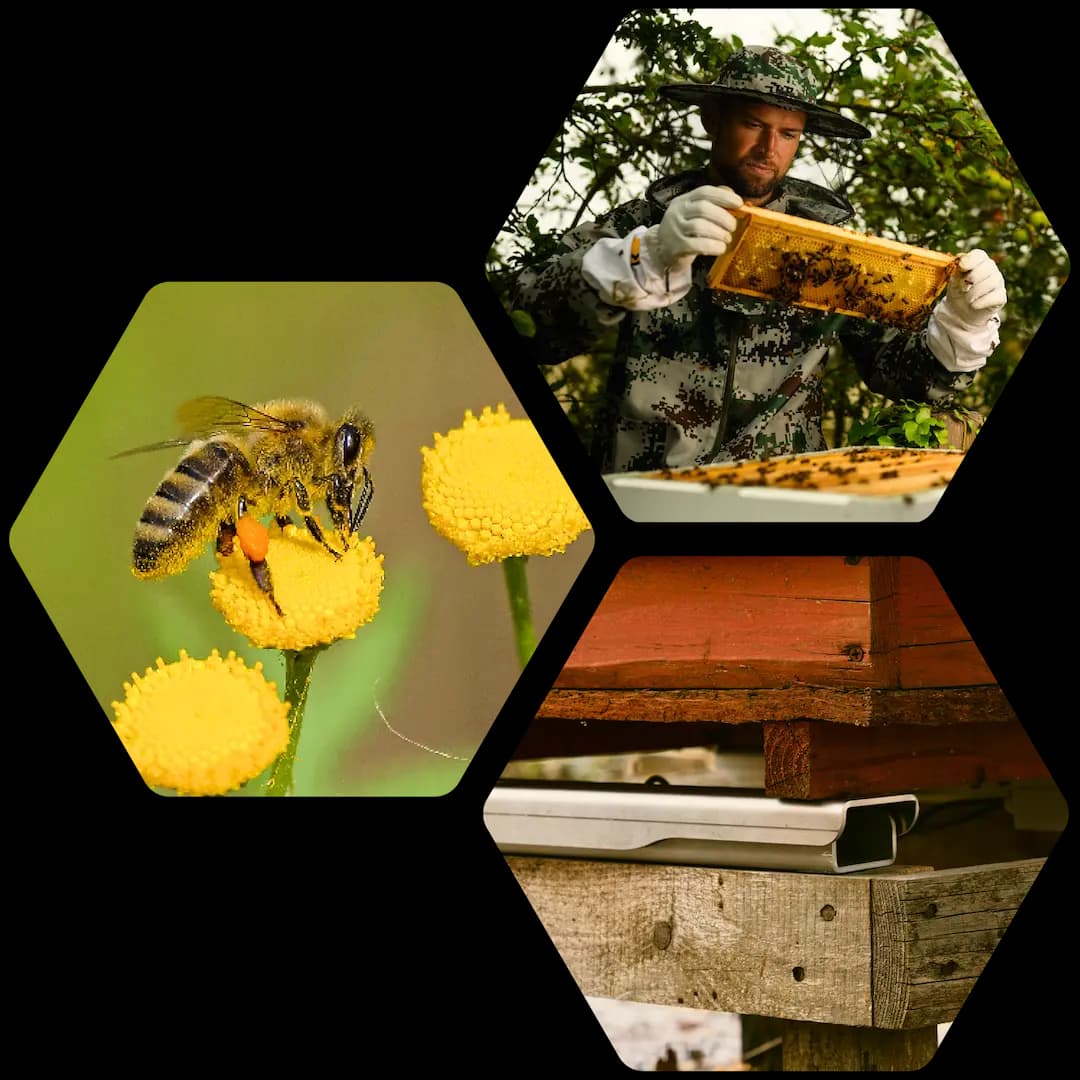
<point>203,416</point>
<point>150,446</point>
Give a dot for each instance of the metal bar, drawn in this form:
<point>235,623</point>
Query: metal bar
<point>710,827</point>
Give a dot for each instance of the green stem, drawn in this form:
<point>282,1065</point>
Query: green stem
<point>298,665</point>
<point>517,587</point>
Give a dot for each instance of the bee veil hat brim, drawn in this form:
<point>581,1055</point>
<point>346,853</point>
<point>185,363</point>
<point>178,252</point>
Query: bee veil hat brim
<point>762,73</point>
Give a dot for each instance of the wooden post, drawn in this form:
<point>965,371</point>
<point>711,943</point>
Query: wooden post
<point>895,949</point>
<point>813,760</point>
<point>810,1047</point>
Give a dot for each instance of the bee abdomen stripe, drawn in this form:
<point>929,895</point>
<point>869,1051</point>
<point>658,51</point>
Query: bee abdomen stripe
<point>199,469</point>
<point>156,515</point>
<point>158,532</point>
<point>146,554</point>
<point>177,501</point>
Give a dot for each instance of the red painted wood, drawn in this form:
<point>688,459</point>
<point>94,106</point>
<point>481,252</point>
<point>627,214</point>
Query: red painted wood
<point>935,646</point>
<point>861,706</point>
<point>813,760</point>
<point>734,622</point>
<point>728,622</point>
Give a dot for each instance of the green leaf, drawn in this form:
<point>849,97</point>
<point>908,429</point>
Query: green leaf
<point>922,157</point>
<point>523,323</point>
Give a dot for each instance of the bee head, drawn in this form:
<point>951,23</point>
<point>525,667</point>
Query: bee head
<point>353,443</point>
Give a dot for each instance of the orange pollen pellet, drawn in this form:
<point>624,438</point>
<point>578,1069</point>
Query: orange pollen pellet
<point>254,538</point>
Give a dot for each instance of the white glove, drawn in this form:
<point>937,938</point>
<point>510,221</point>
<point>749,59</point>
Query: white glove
<point>697,223</point>
<point>651,268</point>
<point>963,329</point>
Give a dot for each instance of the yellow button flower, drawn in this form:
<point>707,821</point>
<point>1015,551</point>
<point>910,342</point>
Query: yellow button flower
<point>202,727</point>
<point>321,598</point>
<point>492,488</point>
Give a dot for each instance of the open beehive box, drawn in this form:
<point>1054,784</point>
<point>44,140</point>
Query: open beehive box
<point>808,264</point>
<point>861,470</point>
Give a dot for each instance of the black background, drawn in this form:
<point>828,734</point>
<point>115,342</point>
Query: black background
<point>389,934</point>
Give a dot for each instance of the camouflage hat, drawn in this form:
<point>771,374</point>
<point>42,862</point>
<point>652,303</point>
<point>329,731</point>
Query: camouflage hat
<point>763,73</point>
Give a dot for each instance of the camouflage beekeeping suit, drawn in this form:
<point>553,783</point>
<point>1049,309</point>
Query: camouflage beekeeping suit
<point>716,376</point>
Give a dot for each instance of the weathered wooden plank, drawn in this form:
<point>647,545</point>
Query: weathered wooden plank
<point>710,705</point>
<point>928,966</point>
<point>808,1047</point>
<point>837,949</point>
<point>994,914</point>
<point>814,760</point>
<point>940,705</point>
<point>777,944</point>
<point>842,662</point>
<point>861,707</point>
<point>933,934</point>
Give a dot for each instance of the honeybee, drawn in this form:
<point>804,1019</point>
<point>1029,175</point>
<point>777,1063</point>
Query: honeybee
<point>246,462</point>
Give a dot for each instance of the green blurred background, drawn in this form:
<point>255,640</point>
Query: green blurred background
<point>439,658</point>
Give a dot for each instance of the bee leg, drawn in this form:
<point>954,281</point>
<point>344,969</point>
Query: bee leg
<point>363,501</point>
<point>260,571</point>
<point>303,500</point>
<point>254,542</point>
<point>226,537</point>
<point>316,530</point>
<point>283,520</point>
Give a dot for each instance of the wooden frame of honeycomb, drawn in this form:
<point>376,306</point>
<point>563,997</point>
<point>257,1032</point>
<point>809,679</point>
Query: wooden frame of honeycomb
<point>808,264</point>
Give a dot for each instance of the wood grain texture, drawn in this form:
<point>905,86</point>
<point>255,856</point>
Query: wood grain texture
<point>812,760</point>
<point>946,663</point>
<point>808,1047</point>
<point>711,706</point>
<point>746,622</point>
<point>895,949</point>
<point>884,620</point>
<point>933,934</point>
<point>931,645</point>
<point>735,941</point>
<point>728,622</point>
<point>925,614</point>
<point>862,707</point>
<point>937,706</point>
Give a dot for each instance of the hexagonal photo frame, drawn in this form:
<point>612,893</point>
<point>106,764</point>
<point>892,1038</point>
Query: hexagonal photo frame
<point>783,788</point>
<point>365,625</point>
<point>855,392</point>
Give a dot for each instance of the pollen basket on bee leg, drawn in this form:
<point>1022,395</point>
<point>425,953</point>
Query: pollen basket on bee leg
<point>254,538</point>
